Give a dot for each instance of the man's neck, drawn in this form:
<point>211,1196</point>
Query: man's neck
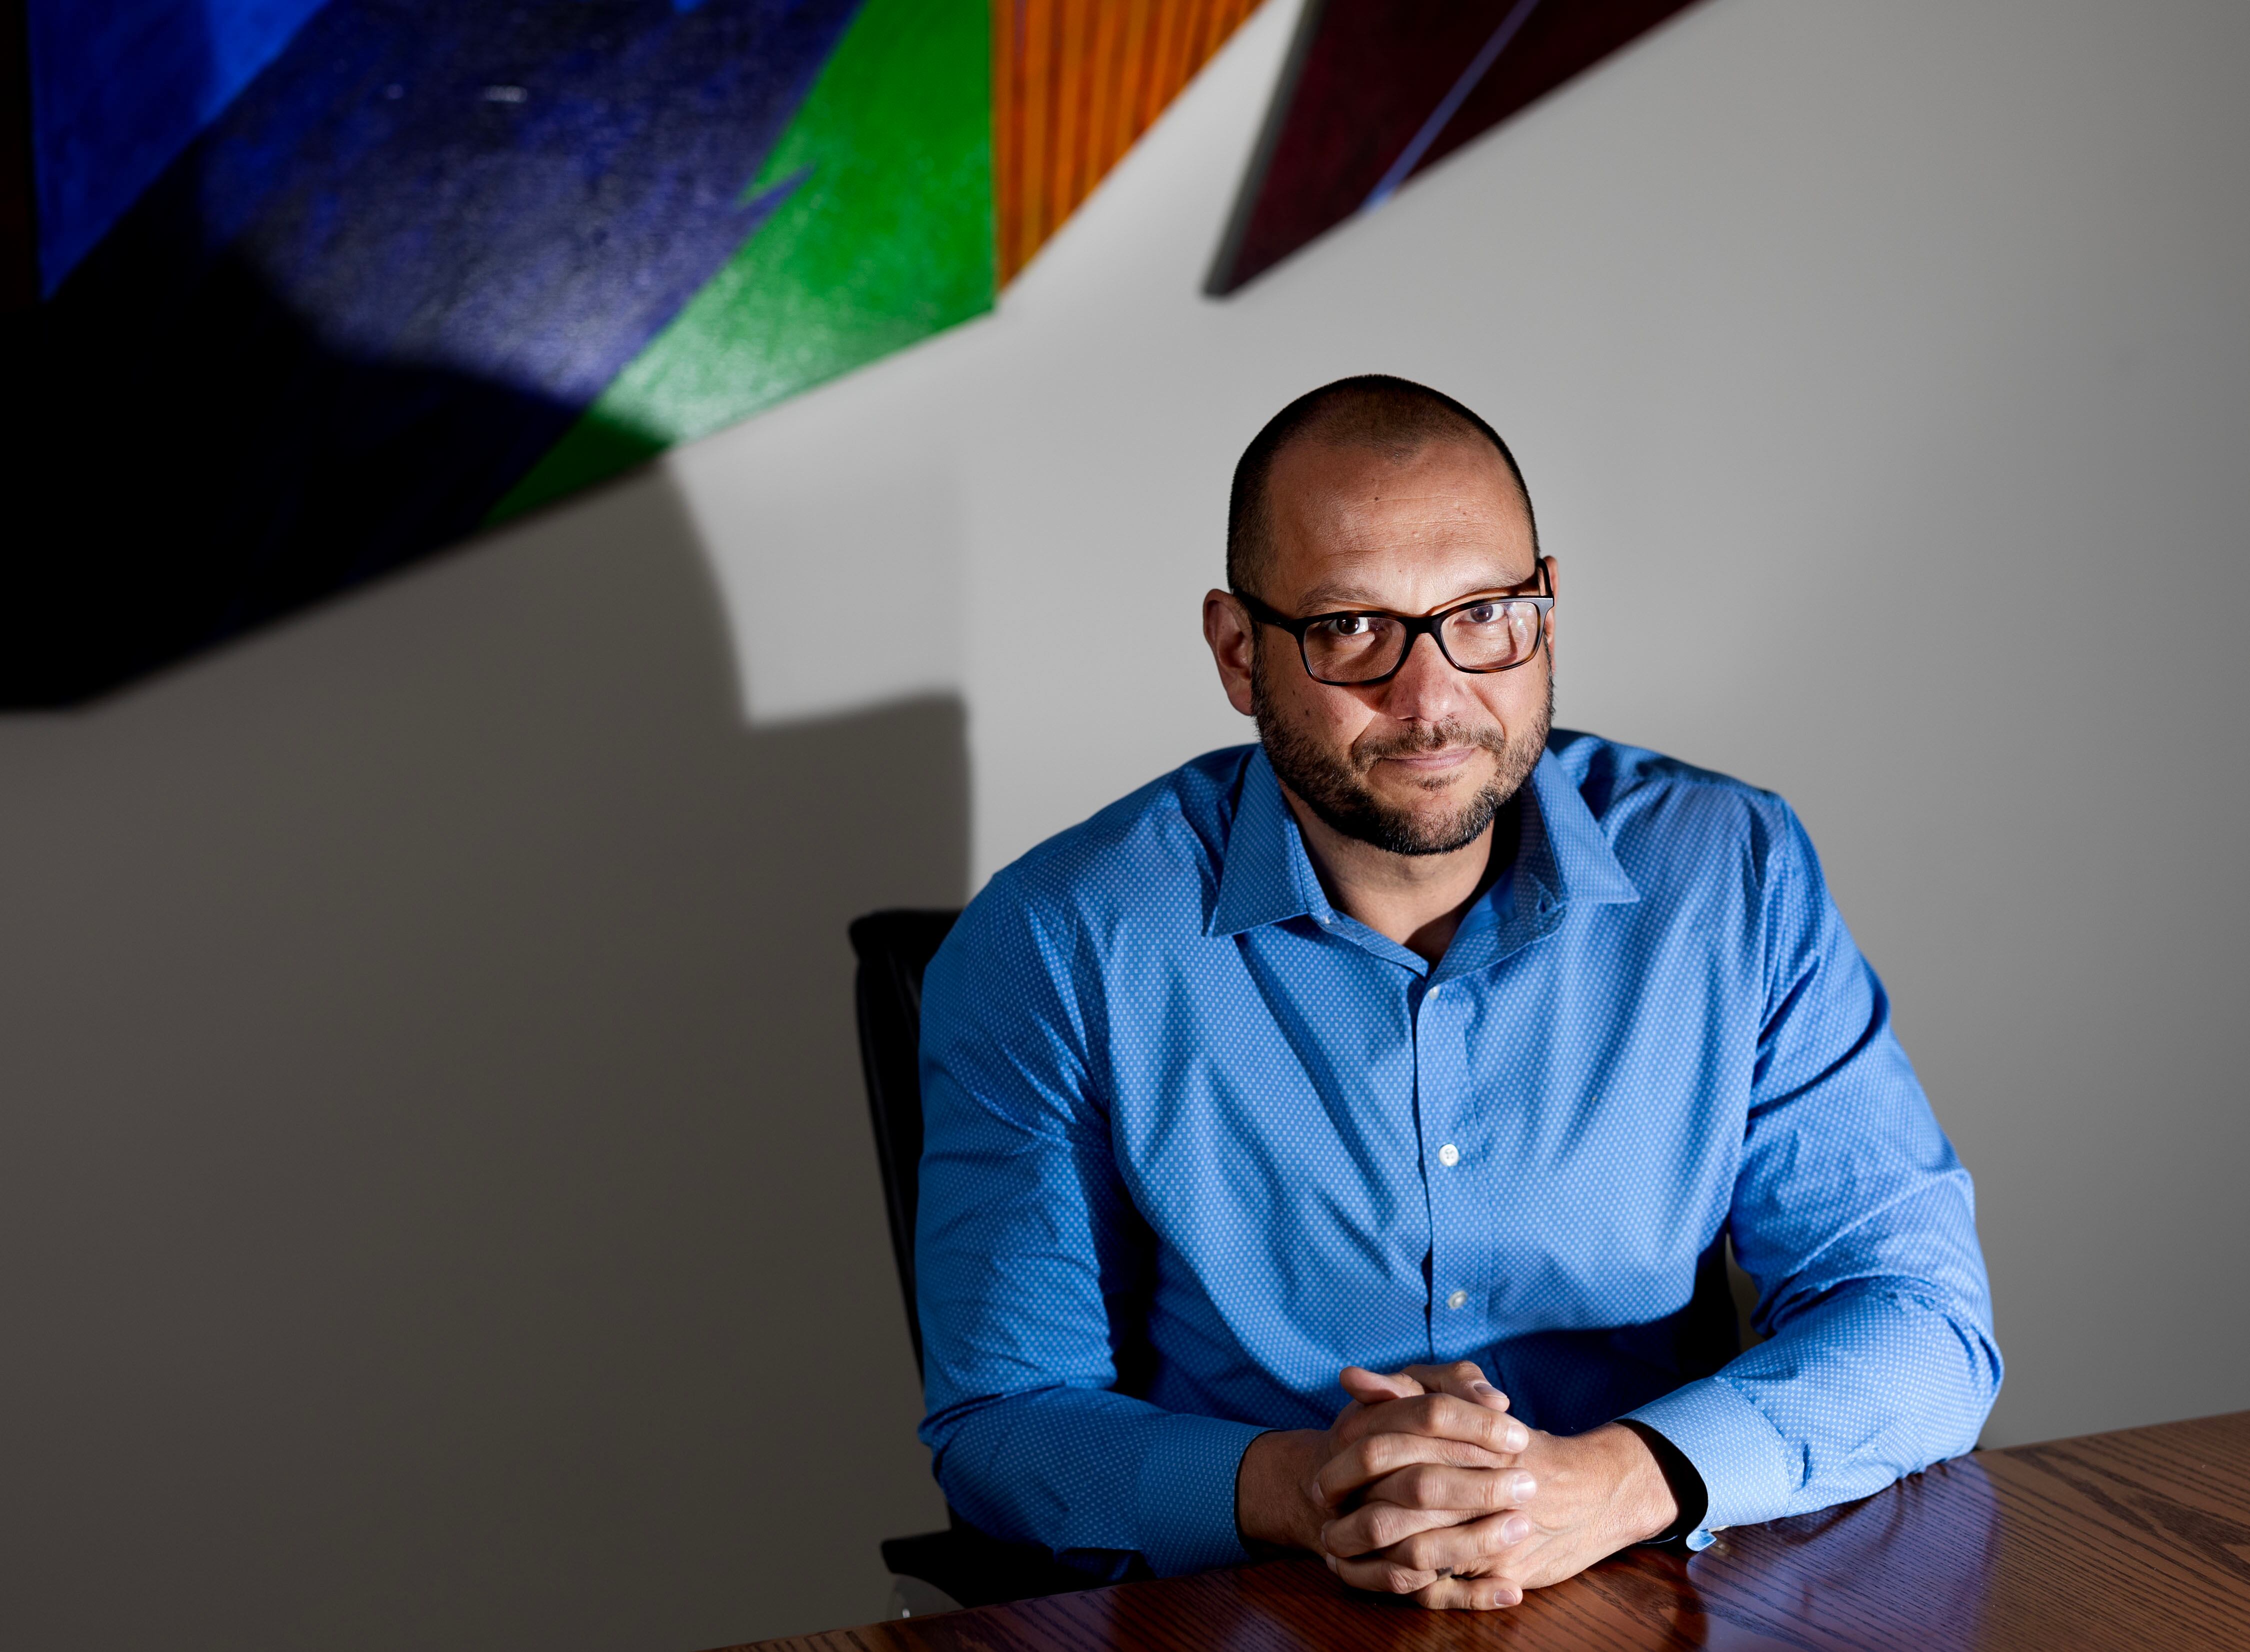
<point>1416,900</point>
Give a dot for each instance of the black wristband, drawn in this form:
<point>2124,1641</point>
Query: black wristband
<point>1685,1479</point>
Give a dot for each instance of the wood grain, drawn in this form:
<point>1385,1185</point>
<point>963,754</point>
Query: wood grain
<point>2140,1539</point>
<point>1074,83</point>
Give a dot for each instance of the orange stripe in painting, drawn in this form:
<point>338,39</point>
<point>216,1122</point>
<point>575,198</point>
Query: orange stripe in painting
<point>1074,84</point>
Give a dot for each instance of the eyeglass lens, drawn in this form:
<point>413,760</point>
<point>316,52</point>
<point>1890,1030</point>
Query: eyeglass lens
<point>1484,637</point>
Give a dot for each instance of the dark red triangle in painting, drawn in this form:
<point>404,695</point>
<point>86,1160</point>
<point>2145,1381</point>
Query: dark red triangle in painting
<point>1376,90</point>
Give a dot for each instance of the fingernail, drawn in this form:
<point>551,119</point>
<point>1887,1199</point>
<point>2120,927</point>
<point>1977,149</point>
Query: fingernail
<point>1517,1438</point>
<point>1481,1388</point>
<point>1514,1528</point>
<point>1331,1559</point>
<point>1525,1486</point>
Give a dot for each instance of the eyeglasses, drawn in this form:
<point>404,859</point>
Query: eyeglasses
<point>1364,646</point>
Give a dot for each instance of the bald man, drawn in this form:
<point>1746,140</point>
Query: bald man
<point>1324,1143</point>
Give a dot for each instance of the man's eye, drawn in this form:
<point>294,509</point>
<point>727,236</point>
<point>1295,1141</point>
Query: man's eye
<point>1348,625</point>
<point>1482,614</point>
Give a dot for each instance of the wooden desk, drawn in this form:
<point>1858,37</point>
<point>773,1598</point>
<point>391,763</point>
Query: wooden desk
<point>2140,1539</point>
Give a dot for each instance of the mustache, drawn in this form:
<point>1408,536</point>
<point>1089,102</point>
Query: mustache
<point>1419,741</point>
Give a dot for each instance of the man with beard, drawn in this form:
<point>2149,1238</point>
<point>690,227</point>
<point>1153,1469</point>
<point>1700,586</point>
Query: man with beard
<point>1282,1110</point>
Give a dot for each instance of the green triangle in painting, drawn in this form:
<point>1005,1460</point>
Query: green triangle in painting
<point>883,235</point>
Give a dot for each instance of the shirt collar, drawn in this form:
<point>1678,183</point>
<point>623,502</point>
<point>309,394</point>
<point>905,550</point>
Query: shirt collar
<point>1565,855</point>
<point>1267,877</point>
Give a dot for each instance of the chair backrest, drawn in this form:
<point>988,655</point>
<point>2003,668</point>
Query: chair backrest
<point>894,948</point>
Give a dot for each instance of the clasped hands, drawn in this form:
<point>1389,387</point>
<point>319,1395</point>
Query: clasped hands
<point>1425,1486</point>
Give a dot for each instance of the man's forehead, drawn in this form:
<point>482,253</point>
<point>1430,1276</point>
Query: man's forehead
<point>1320,486</point>
<point>1353,524</point>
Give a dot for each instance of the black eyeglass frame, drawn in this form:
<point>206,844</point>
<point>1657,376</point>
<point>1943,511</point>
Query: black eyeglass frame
<point>1416,624</point>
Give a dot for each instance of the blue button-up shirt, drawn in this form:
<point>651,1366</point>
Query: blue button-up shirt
<point>1196,1141</point>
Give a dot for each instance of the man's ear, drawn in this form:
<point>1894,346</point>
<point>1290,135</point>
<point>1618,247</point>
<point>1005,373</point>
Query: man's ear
<point>1227,628</point>
<point>1554,590</point>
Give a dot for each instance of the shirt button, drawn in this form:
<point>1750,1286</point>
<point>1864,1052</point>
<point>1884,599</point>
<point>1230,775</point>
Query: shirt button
<point>1449,1155</point>
<point>1434,991</point>
<point>1458,1299</point>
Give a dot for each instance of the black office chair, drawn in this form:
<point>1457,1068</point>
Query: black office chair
<point>895,947</point>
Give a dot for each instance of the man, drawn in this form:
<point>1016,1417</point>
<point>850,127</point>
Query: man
<point>1417,1040</point>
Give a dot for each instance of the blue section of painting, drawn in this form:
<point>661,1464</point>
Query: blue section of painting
<point>368,297</point>
<point>119,87</point>
<point>526,194</point>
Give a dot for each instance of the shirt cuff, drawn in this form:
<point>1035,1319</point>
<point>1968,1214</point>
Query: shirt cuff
<point>1750,1471</point>
<point>1186,1492</point>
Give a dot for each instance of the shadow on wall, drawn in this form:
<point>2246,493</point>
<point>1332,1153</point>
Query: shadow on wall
<point>437,1202</point>
<point>269,468</point>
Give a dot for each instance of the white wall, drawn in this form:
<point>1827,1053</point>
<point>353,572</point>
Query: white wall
<point>437,1206</point>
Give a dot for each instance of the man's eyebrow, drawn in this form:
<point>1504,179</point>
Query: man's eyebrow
<point>1343,594</point>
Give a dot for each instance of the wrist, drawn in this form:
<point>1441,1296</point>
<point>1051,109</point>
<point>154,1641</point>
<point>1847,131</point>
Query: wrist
<point>1691,1498</point>
<point>1645,1505</point>
<point>1272,1495</point>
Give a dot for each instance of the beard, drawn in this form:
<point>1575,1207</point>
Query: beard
<point>1334,785</point>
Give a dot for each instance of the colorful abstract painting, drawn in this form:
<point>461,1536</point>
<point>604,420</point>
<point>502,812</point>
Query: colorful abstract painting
<point>1377,91</point>
<point>303,291</point>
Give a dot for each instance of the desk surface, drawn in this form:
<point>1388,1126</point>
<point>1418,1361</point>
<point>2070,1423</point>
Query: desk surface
<point>2140,1539</point>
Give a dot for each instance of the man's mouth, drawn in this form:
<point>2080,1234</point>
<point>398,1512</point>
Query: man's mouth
<point>1438,762</point>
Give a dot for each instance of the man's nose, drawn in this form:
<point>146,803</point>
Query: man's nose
<point>1427,687</point>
